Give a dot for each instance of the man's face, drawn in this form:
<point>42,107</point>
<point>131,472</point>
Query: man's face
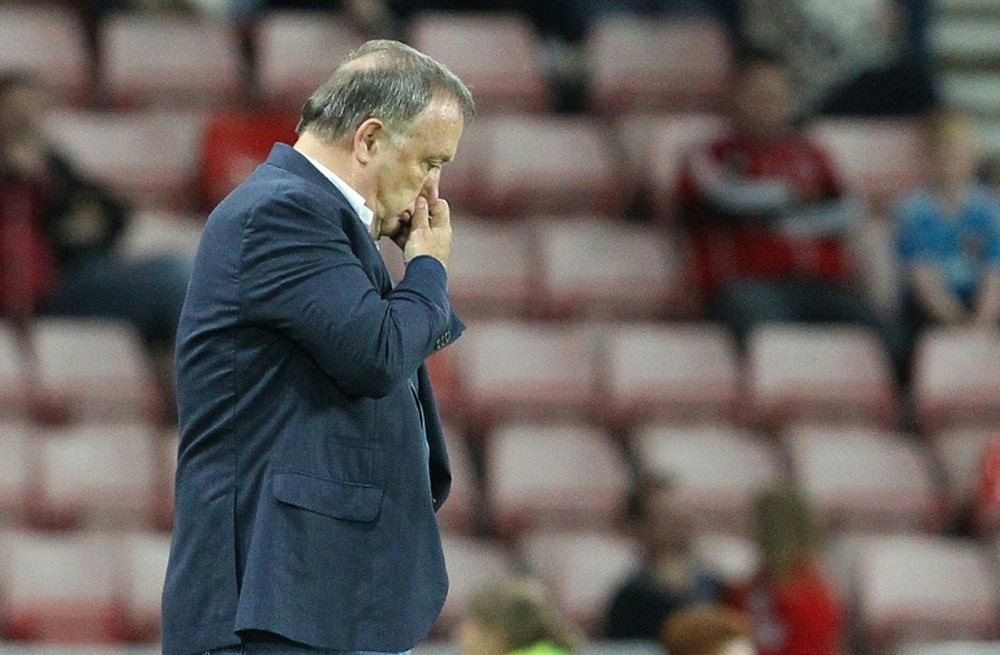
<point>763,100</point>
<point>409,165</point>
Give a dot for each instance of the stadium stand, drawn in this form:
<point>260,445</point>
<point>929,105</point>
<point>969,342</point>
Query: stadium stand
<point>954,378</point>
<point>47,42</point>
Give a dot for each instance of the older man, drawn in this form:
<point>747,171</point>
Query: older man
<point>311,458</point>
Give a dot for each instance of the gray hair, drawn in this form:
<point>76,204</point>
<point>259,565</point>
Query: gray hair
<point>396,85</point>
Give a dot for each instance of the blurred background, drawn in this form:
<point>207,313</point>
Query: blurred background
<point>731,271</point>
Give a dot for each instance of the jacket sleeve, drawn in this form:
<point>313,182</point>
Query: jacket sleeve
<point>300,278</point>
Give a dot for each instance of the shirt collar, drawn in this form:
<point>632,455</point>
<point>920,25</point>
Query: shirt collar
<point>355,199</point>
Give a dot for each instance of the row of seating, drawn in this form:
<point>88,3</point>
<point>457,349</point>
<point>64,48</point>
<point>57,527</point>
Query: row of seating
<point>182,59</point>
<point>104,587</point>
<point>506,165</point>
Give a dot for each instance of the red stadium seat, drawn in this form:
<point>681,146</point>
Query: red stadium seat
<point>96,474</point>
<point>115,149</point>
<point>955,381</point>
<point>877,159</point>
<point>961,451</point>
<point>17,469</point>
<point>508,368</point>
<point>583,569</point>
<point>298,51</point>
<point>169,59</point>
<point>715,472</point>
<point>472,563</point>
<point>49,43</point>
<point>234,143</point>
<point>567,474</point>
<point>598,268</point>
<point>59,588</point>
<point>142,564</point>
<point>570,169</point>
<point>862,478</point>
<point>925,587</point>
<point>676,372</point>
<point>664,64</point>
<point>831,373</point>
<point>152,232</point>
<point>492,272</point>
<point>465,498</point>
<point>498,56</point>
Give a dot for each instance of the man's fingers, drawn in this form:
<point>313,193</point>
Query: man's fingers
<point>420,219</point>
<point>440,214</point>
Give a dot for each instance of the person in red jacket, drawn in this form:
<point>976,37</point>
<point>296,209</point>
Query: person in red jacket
<point>767,218</point>
<point>791,607</point>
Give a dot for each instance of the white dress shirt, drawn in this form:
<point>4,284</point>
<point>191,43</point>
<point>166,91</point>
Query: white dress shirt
<point>355,199</point>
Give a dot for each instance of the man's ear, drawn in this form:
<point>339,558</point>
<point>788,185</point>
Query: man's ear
<point>368,138</point>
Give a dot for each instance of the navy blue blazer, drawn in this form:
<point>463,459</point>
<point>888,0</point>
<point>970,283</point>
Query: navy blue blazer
<point>306,488</point>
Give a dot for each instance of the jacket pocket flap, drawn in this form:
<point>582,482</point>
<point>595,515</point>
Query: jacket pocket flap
<point>339,500</point>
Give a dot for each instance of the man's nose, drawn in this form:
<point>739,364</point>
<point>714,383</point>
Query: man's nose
<point>431,189</point>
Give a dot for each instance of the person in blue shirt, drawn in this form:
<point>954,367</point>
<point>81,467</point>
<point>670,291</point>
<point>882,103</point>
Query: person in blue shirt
<point>948,236</point>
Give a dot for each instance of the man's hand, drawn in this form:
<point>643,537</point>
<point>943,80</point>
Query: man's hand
<point>430,231</point>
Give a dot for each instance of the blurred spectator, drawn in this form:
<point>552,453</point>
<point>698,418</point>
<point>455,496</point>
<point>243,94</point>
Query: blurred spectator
<point>707,630</point>
<point>767,218</point>
<point>65,230</point>
<point>791,608</point>
<point>949,236</point>
<point>670,577</point>
<point>514,617</point>
<point>857,57</point>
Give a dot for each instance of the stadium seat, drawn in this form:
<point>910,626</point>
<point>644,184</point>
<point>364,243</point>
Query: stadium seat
<point>831,373</point>
<point>153,231</point>
<point>492,272</point>
<point>666,64</point>
<point>673,372</point>
<point>960,451</point>
<point>583,569</point>
<point>142,565</point>
<point>18,473</point>
<point>96,474</point>
<point>733,559</point>
<point>510,368</point>
<point>655,147</point>
<point>13,398</point>
<point>950,647</point>
<point>169,59</point>
<point>59,588</point>
<point>461,178</point>
<point>925,587</point>
<point>597,268</point>
<point>97,366</point>
<point>298,51</point>
<point>497,55</point>
<point>861,478</point>
<point>114,149</point>
<point>877,159</point>
<point>465,498</point>
<point>46,42</point>
<point>560,474</point>
<point>570,170</point>
<point>472,563</point>
<point>234,143</point>
<point>954,378</point>
<point>166,457</point>
<point>714,472</point>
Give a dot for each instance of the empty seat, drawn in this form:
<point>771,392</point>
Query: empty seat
<point>233,144</point>
<point>655,147</point>
<point>59,588</point>
<point>13,392</point>
<point>570,169</point>
<point>298,51</point>
<point>497,55</point>
<point>925,587</point>
<point>594,267</point>
<point>17,470</point>
<point>566,474</point>
<point>664,64</point>
<point>102,473</point>
<point>833,373</point>
<point>464,498</point>
<point>877,159</point>
<point>862,478</point>
<point>960,451</point>
<point>715,472</point>
<point>169,59</point>
<point>97,366</point>
<point>472,564</point>
<point>508,368</point>
<point>142,567</point>
<point>154,231</point>
<point>115,149</point>
<point>675,372</point>
<point>583,569</point>
<point>47,42</point>
<point>955,379</point>
<point>492,271</point>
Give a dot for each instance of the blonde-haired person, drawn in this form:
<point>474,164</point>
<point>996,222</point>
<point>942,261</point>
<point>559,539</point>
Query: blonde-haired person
<point>707,630</point>
<point>515,616</point>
